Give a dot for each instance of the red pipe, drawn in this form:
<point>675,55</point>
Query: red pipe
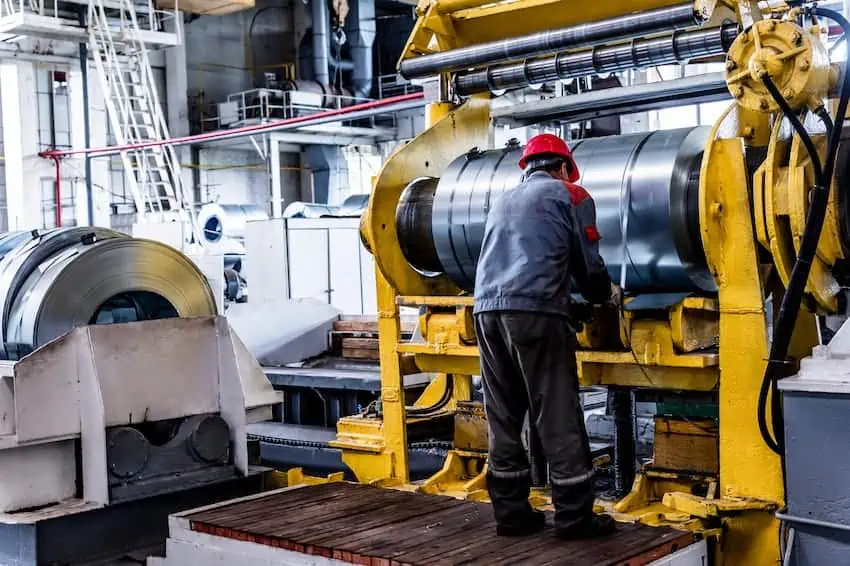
<point>210,136</point>
<point>58,194</point>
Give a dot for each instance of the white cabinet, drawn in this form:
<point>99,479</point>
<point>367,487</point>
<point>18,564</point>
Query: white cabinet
<point>309,265</point>
<point>323,258</point>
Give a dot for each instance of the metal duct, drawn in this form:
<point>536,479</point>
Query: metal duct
<point>673,48</point>
<point>329,170</point>
<point>360,29</point>
<point>321,40</point>
<point>541,43</point>
<point>104,281</point>
<point>654,176</point>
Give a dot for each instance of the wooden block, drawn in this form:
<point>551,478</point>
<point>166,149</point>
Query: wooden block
<point>370,327</point>
<point>369,324</point>
<point>687,446</point>
<point>359,343</point>
<point>360,354</point>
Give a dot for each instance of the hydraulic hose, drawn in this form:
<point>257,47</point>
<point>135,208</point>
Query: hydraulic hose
<point>439,405</point>
<point>796,287</point>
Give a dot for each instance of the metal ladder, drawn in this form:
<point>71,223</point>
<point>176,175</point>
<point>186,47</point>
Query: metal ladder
<point>135,113</point>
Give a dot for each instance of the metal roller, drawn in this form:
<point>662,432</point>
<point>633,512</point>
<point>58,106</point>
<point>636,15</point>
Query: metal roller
<point>104,281</point>
<point>414,225</point>
<point>672,48</point>
<point>655,176</point>
<point>625,27</point>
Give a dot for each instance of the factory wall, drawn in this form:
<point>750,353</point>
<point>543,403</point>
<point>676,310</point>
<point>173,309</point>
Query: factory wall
<point>228,54</point>
<point>236,177</point>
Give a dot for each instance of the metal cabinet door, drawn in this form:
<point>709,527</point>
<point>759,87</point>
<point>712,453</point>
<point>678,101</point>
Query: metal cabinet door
<point>309,264</point>
<point>346,287</point>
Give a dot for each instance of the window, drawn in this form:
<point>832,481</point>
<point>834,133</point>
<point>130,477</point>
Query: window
<point>54,117</point>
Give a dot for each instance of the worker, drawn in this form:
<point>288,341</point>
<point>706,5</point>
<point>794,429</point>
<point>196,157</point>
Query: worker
<point>538,237</point>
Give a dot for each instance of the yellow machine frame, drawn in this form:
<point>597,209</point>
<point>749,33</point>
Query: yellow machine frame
<point>666,354</point>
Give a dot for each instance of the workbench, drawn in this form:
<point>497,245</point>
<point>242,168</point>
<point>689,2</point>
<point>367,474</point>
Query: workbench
<point>343,523</point>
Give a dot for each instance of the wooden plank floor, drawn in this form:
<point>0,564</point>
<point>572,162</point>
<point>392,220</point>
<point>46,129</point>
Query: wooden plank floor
<point>368,525</point>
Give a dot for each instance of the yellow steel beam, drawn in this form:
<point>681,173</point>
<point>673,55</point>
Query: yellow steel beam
<point>449,24</point>
<point>425,156</point>
<point>727,234</point>
<point>628,374</point>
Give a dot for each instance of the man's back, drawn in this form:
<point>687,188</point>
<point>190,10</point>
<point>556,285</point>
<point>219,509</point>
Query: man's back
<point>538,236</point>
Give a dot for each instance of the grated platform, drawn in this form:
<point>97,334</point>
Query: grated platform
<point>354,523</point>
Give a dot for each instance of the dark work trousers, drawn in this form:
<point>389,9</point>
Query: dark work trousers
<point>528,365</point>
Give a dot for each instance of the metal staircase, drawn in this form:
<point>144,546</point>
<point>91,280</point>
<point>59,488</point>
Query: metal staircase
<point>135,113</point>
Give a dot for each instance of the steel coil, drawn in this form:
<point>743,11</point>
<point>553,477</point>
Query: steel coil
<point>644,185</point>
<point>220,222</point>
<point>29,250</point>
<point>53,281</point>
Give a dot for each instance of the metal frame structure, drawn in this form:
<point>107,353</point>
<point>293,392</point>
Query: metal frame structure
<point>735,506</point>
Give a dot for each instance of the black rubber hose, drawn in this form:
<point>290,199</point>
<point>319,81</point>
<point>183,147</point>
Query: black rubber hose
<point>791,301</point>
<point>439,405</point>
<point>783,330</point>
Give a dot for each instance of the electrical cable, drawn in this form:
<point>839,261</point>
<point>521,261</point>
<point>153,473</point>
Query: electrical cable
<point>791,301</point>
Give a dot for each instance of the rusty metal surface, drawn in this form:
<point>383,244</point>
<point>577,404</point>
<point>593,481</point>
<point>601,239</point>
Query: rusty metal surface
<point>369,525</point>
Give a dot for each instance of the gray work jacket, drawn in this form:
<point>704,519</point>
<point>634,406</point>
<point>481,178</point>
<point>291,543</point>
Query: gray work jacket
<point>538,237</point>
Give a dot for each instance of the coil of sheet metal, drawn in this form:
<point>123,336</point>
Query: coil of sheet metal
<point>54,280</point>
<point>225,221</point>
<point>644,185</point>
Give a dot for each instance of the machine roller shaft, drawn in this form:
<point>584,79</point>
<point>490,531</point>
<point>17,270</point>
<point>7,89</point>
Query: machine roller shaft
<point>646,189</point>
<point>632,25</point>
<point>680,46</point>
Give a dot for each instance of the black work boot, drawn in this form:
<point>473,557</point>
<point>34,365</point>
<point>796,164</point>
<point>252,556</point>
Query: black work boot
<point>592,526</point>
<point>574,517</point>
<point>515,517</point>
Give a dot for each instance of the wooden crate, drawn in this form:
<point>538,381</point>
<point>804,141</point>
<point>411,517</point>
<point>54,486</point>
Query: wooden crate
<point>686,445</point>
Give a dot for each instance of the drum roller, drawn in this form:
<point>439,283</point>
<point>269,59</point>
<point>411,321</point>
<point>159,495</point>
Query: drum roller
<point>645,185</point>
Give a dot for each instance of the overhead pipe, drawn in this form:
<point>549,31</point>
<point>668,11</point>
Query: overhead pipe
<point>680,46</point>
<point>542,43</point>
<point>321,40</point>
<point>355,112</point>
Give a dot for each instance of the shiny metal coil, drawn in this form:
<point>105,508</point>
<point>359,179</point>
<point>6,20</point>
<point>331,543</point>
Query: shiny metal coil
<point>680,46</point>
<point>541,43</point>
<point>223,221</point>
<point>53,281</point>
<point>645,185</point>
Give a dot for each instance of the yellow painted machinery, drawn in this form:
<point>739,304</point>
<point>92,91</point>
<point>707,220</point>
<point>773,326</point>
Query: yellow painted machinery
<point>712,231</point>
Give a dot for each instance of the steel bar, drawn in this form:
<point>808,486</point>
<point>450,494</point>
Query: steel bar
<point>614,102</point>
<point>541,43</point>
<point>677,47</point>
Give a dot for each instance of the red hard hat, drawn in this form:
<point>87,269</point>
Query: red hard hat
<point>550,144</point>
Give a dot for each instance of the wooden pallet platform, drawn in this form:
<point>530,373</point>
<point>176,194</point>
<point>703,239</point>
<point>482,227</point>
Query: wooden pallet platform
<point>361,524</point>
